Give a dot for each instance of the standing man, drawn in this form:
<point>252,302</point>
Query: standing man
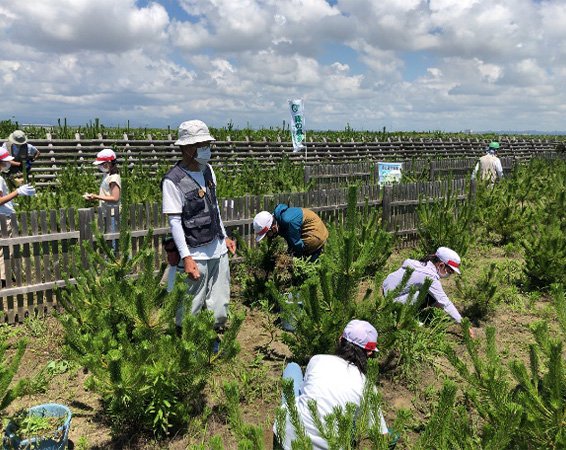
<point>24,154</point>
<point>303,230</point>
<point>189,200</point>
<point>489,165</point>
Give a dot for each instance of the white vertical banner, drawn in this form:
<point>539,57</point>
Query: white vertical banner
<point>298,124</point>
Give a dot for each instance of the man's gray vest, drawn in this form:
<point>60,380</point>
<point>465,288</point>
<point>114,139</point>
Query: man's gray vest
<point>20,154</point>
<point>200,216</point>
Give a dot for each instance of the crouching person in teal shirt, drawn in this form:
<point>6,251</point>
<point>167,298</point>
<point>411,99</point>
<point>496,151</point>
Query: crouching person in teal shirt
<point>302,228</point>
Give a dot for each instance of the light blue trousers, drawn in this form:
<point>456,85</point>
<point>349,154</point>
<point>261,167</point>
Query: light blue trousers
<point>210,291</point>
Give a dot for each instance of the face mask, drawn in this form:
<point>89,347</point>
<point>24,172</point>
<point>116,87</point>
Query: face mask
<point>446,274</point>
<point>103,169</point>
<point>203,155</point>
<point>6,167</point>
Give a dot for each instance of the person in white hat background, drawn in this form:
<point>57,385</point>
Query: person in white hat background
<point>332,381</point>
<point>443,263</point>
<point>302,228</point>
<point>6,199</point>
<point>489,165</point>
<point>24,154</point>
<point>110,187</point>
<point>189,200</point>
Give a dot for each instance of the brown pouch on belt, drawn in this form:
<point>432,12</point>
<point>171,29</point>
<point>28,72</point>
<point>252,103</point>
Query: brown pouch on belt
<point>173,256</point>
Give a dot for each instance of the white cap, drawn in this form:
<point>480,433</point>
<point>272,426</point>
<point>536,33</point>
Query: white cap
<point>449,257</point>
<point>193,132</point>
<point>361,333</point>
<point>262,223</point>
<point>104,156</point>
<point>5,155</point>
<point>18,137</point>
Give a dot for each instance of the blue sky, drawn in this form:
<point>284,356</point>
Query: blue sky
<point>447,65</point>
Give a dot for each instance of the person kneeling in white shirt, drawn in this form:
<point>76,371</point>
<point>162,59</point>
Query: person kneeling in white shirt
<point>332,381</point>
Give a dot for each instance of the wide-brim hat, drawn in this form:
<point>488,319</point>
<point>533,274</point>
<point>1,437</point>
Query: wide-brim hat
<point>193,132</point>
<point>18,137</point>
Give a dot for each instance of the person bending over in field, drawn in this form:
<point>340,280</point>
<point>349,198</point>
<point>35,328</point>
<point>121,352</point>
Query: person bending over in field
<point>303,230</point>
<point>442,264</point>
<point>6,197</point>
<point>332,381</point>
<point>110,187</point>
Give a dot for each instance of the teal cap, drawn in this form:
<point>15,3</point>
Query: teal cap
<point>494,145</point>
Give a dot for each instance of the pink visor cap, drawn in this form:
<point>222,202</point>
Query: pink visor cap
<point>449,257</point>
<point>361,333</point>
<point>104,156</point>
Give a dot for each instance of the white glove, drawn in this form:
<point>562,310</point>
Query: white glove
<point>26,190</point>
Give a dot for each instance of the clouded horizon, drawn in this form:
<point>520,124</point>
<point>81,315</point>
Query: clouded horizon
<point>447,65</point>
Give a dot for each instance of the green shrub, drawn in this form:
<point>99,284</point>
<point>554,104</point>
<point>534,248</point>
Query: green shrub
<point>119,324</point>
<point>545,253</point>
<point>445,222</point>
<point>520,406</point>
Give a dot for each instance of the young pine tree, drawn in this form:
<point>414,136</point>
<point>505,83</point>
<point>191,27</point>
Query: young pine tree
<point>119,324</point>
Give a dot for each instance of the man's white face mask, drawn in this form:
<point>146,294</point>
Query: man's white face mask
<point>5,167</point>
<point>203,155</point>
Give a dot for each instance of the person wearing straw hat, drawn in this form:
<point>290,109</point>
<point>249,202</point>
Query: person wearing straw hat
<point>489,165</point>
<point>24,154</point>
<point>202,245</point>
<point>443,263</point>
<point>332,381</point>
<point>302,228</point>
<point>6,197</point>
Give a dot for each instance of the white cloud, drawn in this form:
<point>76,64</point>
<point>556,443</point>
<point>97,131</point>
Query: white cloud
<point>410,64</point>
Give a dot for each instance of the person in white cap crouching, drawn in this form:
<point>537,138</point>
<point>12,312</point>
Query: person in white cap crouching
<point>189,200</point>
<point>332,381</point>
<point>6,197</point>
<point>441,264</point>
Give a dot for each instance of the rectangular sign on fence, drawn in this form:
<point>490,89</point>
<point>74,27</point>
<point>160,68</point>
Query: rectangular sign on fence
<point>297,124</point>
<point>389,173</point>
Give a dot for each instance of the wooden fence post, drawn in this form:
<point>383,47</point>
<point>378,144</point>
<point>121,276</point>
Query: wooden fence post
<point>307,175</point>
<point>387,197</point>
<point>86,218</point>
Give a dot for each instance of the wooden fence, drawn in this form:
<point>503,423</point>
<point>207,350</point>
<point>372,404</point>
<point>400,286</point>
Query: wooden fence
<point>40,253</point>
<point>55,154</point>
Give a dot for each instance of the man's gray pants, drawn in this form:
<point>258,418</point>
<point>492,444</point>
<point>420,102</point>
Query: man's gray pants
<point>210,291</point>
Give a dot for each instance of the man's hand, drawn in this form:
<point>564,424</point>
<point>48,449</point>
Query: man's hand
<point>231,244</point>
<point>191,268</point>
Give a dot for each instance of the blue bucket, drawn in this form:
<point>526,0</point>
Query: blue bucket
<point>58,440</point>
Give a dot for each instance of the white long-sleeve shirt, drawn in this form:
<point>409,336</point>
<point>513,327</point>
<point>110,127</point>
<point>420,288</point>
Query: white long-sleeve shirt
<point>418,277</point>
<point>489,167</point>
